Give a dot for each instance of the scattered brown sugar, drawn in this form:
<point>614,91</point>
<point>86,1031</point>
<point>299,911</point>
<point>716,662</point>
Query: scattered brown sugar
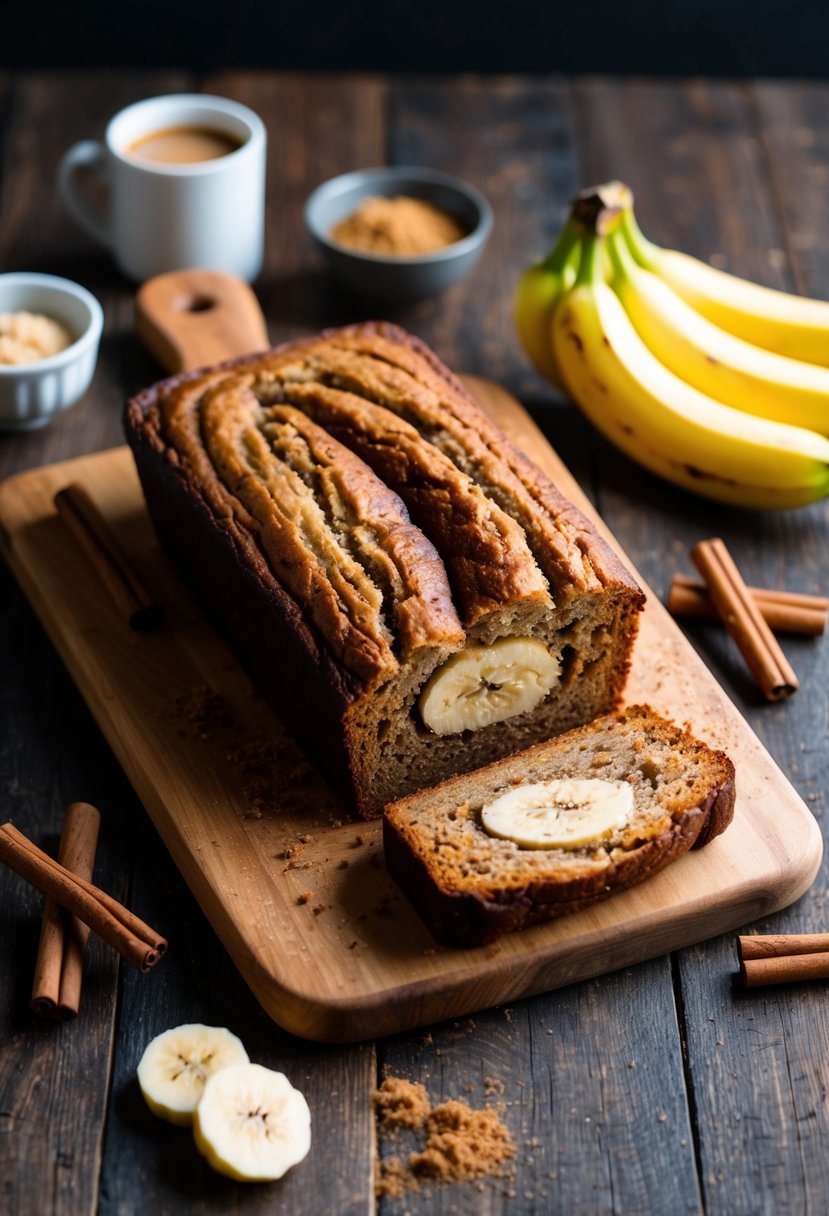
<point>462,1144</point>
<point>305,897</point>
<point>493,1085</point>
<point>400,1103</point>
<point>391,1178</point>
<point>401,226</point>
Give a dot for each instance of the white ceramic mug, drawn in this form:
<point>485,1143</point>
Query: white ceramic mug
<point>164,216</point>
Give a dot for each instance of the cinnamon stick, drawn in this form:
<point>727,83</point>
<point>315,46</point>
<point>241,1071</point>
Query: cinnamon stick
<point>131,937</point>
<point>784,969</point>
<point>741,617</point>
<point>83,519</point>
<point>56,991</point>
<point>131,922</point>
<point>783,611</point>
<point>777,945</point>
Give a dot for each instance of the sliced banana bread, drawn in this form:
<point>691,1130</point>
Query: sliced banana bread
<point>413,596</point>
<point>557,827</point>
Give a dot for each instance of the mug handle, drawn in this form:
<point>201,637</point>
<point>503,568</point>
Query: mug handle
<point>90,154</point>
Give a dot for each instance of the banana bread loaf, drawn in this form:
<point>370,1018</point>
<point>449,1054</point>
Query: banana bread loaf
<point>413,596</point>
<point>557,827</point>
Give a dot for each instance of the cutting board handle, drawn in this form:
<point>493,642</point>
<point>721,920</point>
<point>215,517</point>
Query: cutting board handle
<point>194,318</point>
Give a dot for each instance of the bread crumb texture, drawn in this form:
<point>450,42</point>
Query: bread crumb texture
<point>461,1143</point>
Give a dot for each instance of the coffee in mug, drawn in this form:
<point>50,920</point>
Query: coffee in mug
<point>184,145</point>
<point>186,176</point>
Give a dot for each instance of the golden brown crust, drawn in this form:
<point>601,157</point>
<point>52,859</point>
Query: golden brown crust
<point>350,518</point>
<point>485,552</point>
<point>383,363</point>
<point>238,455</point>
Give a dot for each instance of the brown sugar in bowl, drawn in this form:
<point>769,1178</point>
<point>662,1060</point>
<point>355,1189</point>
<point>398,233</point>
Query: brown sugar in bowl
<point>386,276</point>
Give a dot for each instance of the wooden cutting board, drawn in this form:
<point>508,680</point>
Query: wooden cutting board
<point>294,887</point>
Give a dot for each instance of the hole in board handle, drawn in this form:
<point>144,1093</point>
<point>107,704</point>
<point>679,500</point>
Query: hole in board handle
<point>195,304</point>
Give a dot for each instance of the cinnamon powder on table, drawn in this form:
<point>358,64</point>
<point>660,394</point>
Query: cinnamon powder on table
<point>462,1143</point>
<point>400,227</point>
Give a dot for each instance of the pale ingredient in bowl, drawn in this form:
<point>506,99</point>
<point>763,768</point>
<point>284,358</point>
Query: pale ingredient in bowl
<point>28,337</point>
<point>397,227</point>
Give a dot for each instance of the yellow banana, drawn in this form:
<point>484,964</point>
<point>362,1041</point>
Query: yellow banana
<point>774,320</point>
<point>728,368</point>
<point>536,295</point>
<point>666,425</point>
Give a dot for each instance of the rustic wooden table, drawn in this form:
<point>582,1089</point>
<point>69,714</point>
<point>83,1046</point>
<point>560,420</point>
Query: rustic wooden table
<point>659,1089</point>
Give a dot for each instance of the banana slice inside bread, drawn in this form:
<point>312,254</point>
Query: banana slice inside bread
<point>364,535</point>
<point>475,865</point>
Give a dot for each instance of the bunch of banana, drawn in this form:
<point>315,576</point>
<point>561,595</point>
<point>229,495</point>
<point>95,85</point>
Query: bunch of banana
<point>716,384</point>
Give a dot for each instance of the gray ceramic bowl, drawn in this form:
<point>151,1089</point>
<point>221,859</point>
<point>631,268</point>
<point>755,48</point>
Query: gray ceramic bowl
<point>396,278</point>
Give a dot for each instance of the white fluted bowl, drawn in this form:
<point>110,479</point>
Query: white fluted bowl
<point>31,394</point>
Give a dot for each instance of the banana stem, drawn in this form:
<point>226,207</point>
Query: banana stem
<point>562,251</point>
<point>590,268</point>
<point>623,264</point>
<point>643,250</point>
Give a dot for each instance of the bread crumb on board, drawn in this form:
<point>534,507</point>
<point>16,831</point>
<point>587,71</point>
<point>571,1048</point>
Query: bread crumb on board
<point>462,1143</point>
<point>198,713</point>
<point>273,773</point>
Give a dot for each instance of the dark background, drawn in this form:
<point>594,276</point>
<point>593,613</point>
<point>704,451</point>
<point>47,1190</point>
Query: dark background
<point>656,37</point>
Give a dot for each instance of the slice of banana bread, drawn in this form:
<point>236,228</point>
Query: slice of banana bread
<point>413,596</point>
<point>557,827</point>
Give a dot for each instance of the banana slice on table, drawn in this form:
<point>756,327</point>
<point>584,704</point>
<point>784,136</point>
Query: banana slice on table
<point>176,1065</point>
<point>559,814</point>
<point>486,684</point>
<point>251,1123</point>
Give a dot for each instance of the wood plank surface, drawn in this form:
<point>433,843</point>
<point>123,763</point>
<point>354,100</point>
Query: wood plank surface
<point>319,126</point>
<point>592,1119</point>
<point>737,173</point>
<point>54,1080</point>
<point>699,159</point>
<point>144,1156</point>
